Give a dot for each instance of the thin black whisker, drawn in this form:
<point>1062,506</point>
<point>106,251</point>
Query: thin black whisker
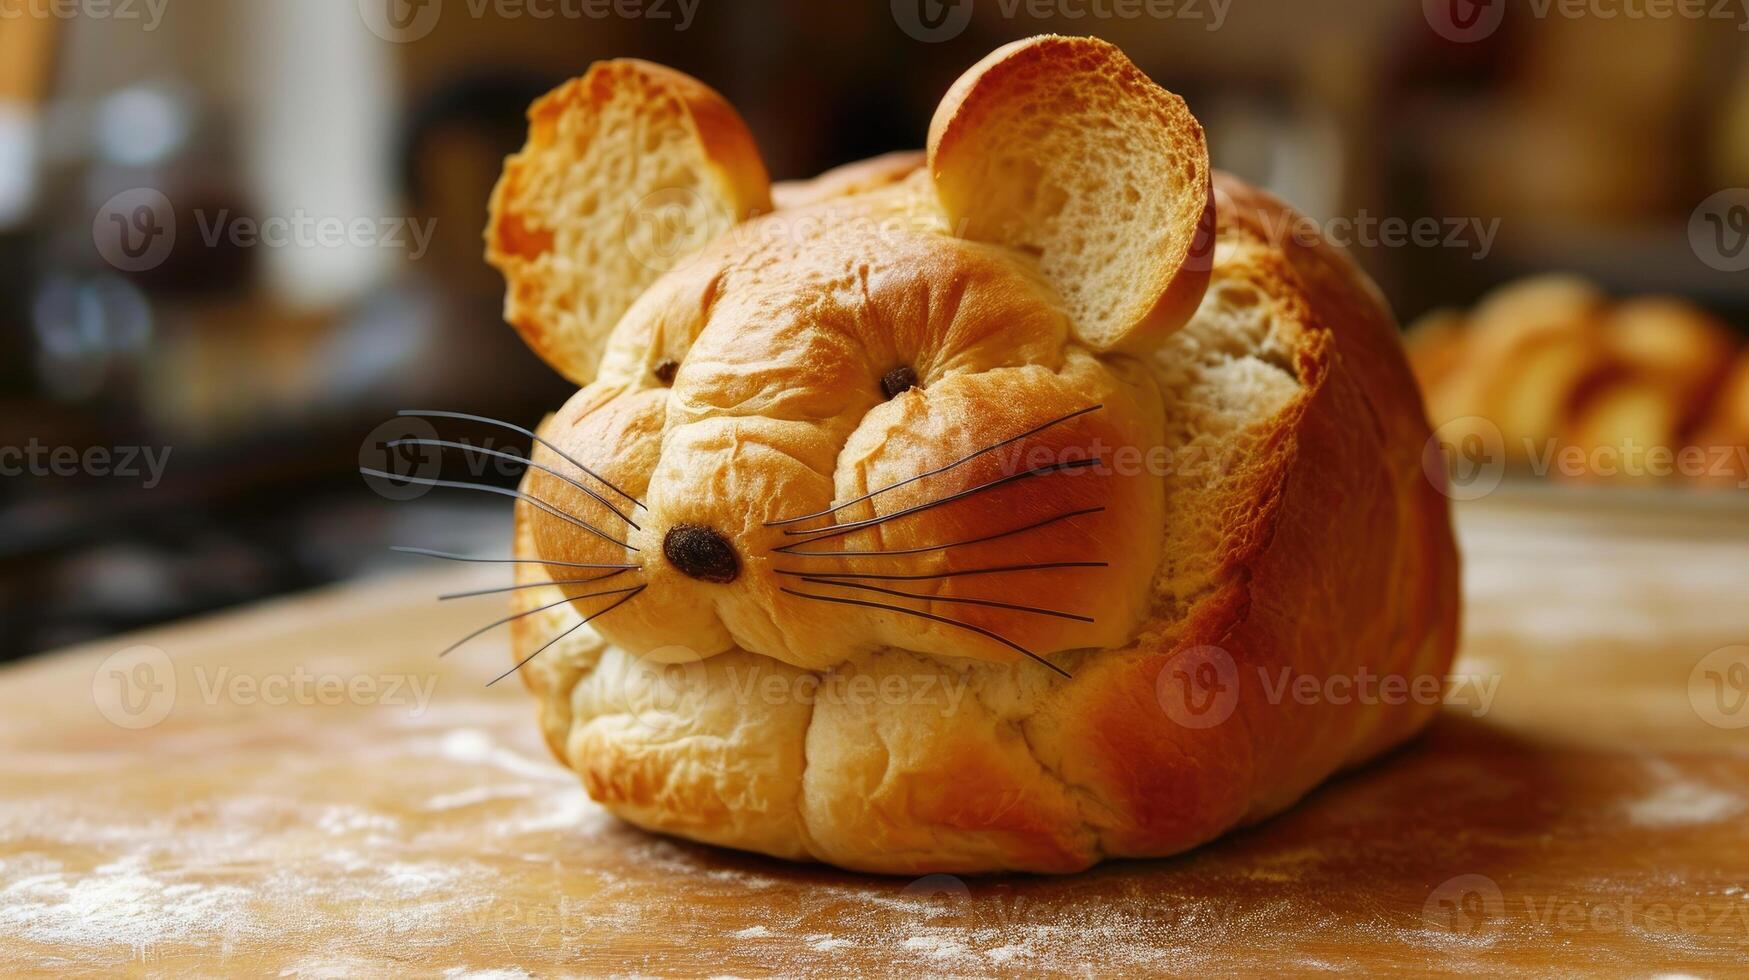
<point>939,575</point>
<point>839,530</point>
<point>940,469</point>
<point>611,607</point>
<point>448,556</point>
<point>513,427</point>
<point>500,622</point>
<point>532,585</point>
<point>524,460</point>
<point>993,604</point>
<point>933,618</point>
<point>427,481</point>
<point>786,549</point>
<point>526,612</point>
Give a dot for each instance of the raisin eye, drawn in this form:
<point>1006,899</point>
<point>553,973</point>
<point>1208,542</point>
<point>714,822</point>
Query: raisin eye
<point>665,371</point>
<point>898,381</point>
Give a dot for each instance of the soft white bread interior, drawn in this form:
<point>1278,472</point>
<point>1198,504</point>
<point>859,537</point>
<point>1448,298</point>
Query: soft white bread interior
<point>1061,148</point>
<point>628,171</point>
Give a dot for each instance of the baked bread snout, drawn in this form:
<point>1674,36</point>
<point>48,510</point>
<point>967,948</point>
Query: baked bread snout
<point>928,578</point>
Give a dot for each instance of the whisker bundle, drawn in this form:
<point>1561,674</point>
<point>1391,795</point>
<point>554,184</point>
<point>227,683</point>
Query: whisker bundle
<point>531,585</point>
<point>838,530</point>
<point>495,623</point>
<point>993,604</point>
<point>595,615</point>
<point>513,427</point>
<point>1040,566</point>
<point>787,549</point>
<point>503,491</point>
<point>933,618</point>
<point>940,469</point>
<point>450,556</point>
<point>524,460</point>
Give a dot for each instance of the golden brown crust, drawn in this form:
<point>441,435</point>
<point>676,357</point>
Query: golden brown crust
<point>1334,558</point>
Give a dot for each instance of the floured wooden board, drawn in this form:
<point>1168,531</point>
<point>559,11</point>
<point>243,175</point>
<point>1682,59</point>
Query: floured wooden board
<point>317,795</point>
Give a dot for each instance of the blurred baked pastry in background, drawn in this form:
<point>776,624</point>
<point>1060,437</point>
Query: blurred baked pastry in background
<point>1620,388</point>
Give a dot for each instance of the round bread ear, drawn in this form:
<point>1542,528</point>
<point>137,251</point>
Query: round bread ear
<point>1062,148</point>
<point>627,173</point>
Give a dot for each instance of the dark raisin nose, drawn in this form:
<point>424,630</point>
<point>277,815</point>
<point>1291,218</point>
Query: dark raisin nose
<point>701,553</point>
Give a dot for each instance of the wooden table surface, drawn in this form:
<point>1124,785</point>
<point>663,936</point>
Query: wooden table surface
<point>302,789</point>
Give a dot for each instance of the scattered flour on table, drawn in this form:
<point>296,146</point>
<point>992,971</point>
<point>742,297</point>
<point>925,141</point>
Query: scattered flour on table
<point>1679,801</point>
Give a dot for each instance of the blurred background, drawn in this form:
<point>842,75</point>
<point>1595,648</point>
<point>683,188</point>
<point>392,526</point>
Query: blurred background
<point>237,235</point>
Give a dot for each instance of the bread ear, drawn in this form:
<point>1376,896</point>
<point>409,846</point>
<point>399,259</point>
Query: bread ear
<point>1062,148</point>
<point>627,171</point>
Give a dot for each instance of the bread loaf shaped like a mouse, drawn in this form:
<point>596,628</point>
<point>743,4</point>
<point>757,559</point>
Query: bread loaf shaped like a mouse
<point>967,511</point>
